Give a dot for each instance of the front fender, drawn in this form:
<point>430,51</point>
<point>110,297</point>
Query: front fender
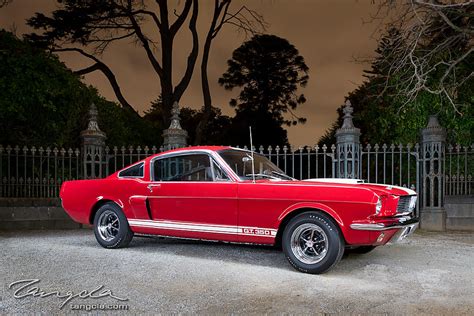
<point>316,206</point>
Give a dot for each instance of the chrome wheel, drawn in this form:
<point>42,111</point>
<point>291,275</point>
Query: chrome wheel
<point>309,243</point>
<point>108,225</point>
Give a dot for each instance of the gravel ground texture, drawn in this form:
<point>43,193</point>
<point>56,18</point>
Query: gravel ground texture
<point>430,273</point>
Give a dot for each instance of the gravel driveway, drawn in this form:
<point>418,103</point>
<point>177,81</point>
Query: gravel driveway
<point>430,273</point>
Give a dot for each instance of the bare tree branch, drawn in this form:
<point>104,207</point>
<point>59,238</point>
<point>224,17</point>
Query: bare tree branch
<point>99,65</point>
<point>96,24</point>
<point>145,43</point>
<point>4,3</point>
<point>181,18</point>
<point>181,87</point>
<point>244,19</point>
<point>434,38</point>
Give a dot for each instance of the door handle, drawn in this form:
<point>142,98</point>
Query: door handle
<point>150,186</point>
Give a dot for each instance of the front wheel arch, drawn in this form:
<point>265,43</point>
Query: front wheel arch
<point>289,216</point>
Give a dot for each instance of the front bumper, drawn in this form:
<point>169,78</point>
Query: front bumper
<point>401,222</point>
<point>406,226</point>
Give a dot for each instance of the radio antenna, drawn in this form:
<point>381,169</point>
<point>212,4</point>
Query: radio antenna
<point>251,153</point>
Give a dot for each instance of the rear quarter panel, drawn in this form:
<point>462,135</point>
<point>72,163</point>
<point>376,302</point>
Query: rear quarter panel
<point>79,197</point>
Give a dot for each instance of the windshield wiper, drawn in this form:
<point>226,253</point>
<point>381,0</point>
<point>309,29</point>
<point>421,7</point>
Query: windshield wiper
<point>262,175</point>
<point>283,175</point>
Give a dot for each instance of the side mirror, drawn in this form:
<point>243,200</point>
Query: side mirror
<point>246,159</point>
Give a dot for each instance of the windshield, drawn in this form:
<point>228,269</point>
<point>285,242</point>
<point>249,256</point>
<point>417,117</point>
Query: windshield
<point>241,162</point>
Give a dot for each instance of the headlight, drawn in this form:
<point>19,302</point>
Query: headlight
<point>378,206</point>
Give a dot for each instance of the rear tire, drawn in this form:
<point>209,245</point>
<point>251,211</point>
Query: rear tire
<point>111,227</point>
<point>312,242</point>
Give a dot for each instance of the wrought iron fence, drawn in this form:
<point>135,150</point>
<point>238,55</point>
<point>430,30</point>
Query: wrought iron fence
<point>37,171</point>
<point>390,164</point>
<point>459,170</point>
<point>117,158</point>
<point>304,162</point>
<point>40,171</point>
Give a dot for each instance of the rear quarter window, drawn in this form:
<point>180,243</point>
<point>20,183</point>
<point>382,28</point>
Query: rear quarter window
<point>135,171</point>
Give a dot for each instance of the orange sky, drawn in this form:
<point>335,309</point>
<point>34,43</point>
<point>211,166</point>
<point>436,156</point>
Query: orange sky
<point>327,33</point>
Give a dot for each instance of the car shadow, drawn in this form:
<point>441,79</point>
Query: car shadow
<point>262,255</point>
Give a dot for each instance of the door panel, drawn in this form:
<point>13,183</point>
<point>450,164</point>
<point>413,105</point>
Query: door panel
<point>199,202</point>
<point>186,202</point>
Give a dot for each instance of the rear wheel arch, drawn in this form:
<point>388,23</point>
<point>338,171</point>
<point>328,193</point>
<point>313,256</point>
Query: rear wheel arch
<point>297,211</point>
<point>98,205</point>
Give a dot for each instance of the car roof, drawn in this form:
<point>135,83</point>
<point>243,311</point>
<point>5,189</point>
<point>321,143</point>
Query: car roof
<point>184,149</point>
<point>177,150</point>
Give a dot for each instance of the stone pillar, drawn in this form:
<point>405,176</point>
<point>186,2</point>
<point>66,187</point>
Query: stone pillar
<point>433,142</point>
<point>348,146</point>
<point>174,136</point>
<point>93,143</point>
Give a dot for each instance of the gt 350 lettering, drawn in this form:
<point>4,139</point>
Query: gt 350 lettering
<point>256,231</point>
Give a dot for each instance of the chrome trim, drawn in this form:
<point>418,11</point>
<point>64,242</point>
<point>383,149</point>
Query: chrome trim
<point>309,243</point>
<point>108,226</point>
<point>402,223</point>
<point>403,233</point>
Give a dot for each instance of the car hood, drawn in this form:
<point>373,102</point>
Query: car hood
<point>380,189</point>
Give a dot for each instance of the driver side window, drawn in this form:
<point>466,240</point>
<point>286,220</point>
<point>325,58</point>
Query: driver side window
<point>183,168</point>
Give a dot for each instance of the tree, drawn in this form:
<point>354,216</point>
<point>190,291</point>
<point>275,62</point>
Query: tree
<point>94,25</point>
<point>435,45</point>
<point>266,131</point>
<point>268,70</point>
<point>216,130</point>
<point>43,103</point>
<point>244,19</point>
<point>381,110</point>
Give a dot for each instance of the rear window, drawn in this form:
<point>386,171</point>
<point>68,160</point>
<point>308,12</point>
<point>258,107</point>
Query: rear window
<point>135,171</point>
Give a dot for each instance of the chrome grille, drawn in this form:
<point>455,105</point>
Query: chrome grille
<point>404,204</point>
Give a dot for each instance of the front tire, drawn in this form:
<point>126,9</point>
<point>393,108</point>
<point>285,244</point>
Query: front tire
<point>312,243</point>
<point>111,227</point>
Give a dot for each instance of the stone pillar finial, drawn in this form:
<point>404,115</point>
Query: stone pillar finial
<point>348,110</point>
<point>93,114</point>
<point>92,134</point>
<point>175,119</point>
<point>433,131</point>
<point>348,145</point>
<point>175,136</point>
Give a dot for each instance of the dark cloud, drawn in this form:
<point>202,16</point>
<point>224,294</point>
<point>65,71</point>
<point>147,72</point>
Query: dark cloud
<point>327,33</point>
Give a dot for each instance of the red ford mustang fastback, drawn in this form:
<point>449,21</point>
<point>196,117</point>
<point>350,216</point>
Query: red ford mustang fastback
<point>234,195</point>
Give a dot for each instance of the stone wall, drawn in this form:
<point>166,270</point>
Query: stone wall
<point>29,214</point>
<point>459,212</point>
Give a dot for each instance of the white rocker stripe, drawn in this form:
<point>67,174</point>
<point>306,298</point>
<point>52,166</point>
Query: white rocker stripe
<point>205,228</point>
